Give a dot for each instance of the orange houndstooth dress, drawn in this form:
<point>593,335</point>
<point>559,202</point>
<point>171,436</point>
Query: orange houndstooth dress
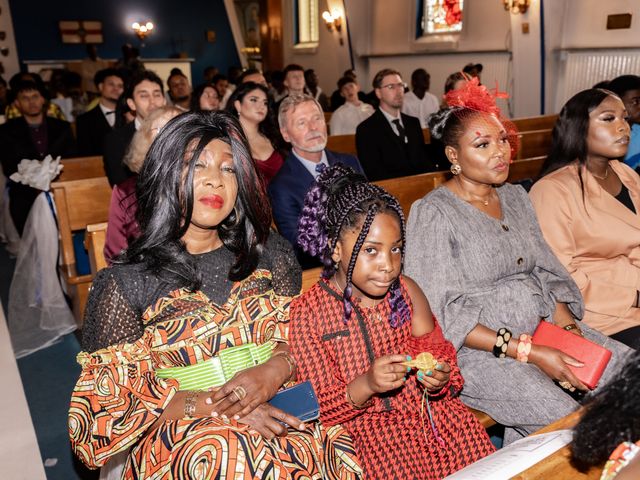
<point>393,437</point>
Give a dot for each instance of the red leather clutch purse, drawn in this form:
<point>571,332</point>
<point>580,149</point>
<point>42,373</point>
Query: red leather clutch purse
<point>594,356</point>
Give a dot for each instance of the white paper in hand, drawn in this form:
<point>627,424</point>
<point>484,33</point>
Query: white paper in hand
<point>37,173</point>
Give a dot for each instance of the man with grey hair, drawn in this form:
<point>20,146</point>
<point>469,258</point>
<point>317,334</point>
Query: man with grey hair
<point>302,124</point>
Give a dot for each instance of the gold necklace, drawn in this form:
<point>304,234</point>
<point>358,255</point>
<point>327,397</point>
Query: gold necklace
<point>604,177</point>
<point>484,201</point>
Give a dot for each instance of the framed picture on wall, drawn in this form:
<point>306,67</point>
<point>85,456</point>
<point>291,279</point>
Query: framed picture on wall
<point>81,31</point>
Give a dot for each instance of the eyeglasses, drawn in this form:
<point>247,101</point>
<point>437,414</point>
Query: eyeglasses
<point>394,86</point>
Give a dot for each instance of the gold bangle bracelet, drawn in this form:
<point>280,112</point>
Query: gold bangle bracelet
<point>190,402</point>
<point>290,361</point>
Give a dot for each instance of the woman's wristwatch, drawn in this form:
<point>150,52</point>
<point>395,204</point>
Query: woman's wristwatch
<point>573,326</point>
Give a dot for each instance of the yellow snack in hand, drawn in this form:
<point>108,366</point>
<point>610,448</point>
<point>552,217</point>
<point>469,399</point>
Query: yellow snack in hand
<point>424,361</point>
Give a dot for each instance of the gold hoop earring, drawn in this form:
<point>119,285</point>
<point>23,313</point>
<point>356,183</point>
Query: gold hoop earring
<point>456,168</point>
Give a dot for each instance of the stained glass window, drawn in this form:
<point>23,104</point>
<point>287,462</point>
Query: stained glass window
<point>442,16</point>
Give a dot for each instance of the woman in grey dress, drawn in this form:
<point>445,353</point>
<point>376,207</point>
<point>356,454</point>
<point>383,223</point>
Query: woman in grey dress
<point>477,252</point>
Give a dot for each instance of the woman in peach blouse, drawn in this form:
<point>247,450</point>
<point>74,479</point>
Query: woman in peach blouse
<point>587,204</point>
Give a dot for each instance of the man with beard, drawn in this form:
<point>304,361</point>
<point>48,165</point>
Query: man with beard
<point>179,90</point>
<point>94,125</point>
<point>389,143</point>
<point>302,124</point>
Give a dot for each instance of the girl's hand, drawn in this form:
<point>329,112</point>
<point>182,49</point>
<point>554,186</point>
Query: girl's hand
<point>556,365</point>
<point>265,420</point>
<point>386,373</point>
<point>435,380</point>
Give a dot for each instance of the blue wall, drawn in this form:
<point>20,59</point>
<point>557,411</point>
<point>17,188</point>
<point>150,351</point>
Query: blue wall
<point>179,27</point>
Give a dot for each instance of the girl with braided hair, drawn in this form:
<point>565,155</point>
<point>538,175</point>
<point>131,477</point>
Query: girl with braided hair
<point>353,333</point>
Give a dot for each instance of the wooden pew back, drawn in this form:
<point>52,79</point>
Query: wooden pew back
<point>409,189</point>
<point>342,144</point>
<point>78,204</point>
<point>81,167</point>
<point>94,240</point>
<point>534,143</point>
<point>542,122</point>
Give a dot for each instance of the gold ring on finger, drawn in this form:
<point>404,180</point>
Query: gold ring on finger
<point>240,392</point>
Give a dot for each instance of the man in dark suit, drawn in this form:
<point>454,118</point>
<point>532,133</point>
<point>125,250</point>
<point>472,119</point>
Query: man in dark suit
<point>302,124</point>
<point>31,136</point>
<point>93,126</point>
<point>389,143</point>
<point>144,94</point>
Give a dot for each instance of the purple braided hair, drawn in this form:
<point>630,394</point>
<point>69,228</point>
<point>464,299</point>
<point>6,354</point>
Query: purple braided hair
<point>342,199</point>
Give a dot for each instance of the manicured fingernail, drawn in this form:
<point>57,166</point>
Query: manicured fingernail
<point>208,401</point>
<point>404,379</point>
<point>236,417</point>
<point>302,426</point>
<point>420,374</point>
<point>253,432</point>
<point>408,369</point>
<point>429,373</point>
<point>214,413</point>
<point>409,358</point>
<point>439,367</point>
<point>224,417</point>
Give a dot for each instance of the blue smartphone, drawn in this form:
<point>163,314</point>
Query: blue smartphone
<point>299,401</point>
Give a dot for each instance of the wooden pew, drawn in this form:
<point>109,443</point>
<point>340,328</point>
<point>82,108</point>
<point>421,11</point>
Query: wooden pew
<point>342,144</point>
<point>558,466</point>
<point>534,133</point>
<point>81,167</point>
<point>524,169</point>
<point>542,122</point>
<point>94,240</point>
<point>534,143</point>
<point>78,204</point>
<point>409,189</point>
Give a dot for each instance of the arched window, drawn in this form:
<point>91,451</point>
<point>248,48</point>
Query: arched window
<point>442,16</point>
<point>306,22</point>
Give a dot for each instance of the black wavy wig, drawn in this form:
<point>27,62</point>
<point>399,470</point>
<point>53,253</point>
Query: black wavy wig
<point>165,200</point>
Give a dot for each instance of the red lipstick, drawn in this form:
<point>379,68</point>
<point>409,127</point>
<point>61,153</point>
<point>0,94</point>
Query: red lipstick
<point>212,201</point>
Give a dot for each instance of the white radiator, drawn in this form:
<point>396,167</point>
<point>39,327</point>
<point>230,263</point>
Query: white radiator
<point>580,70</point>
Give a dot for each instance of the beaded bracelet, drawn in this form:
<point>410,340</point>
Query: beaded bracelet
<point>502,343</point>
<point>524,348</point>
<point>290,361</point>
<point>190,402</point>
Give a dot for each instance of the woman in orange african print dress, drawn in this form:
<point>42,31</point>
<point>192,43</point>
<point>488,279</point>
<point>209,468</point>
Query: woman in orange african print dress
<point>199,293</point>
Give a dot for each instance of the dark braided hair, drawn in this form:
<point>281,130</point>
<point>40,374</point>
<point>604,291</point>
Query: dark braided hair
<point>341,200</point>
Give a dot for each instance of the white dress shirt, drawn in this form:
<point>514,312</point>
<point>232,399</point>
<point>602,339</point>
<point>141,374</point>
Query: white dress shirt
<point>311,166</point>
<point>346,119</point>
<point>109,114</point>
<point>420,108</point>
